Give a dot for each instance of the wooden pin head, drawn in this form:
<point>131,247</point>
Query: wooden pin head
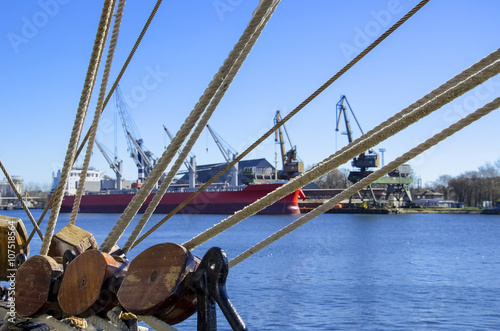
<point>155,283</point>
<point>87,286</point>
<point>13,238</point>
<point>36,285</point>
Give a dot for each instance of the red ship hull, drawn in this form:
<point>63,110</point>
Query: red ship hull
<point>209,202</point>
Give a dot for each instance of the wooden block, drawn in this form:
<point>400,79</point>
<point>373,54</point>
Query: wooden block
<point>155,283</point>
<point>35,281</point>
<point>71,237</point>
<point>85,287</point>
<point>13,238</point>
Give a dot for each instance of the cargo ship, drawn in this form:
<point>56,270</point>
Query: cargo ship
<point>221,198</point>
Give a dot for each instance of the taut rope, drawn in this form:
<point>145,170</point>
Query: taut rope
<point>20,198</point>
<point>115,84</point>
<point>95,58</point>
<point>255,33</point>
<point>286,118</point>
<point>98,109</point>
<point>169,153</point>
<point>369,180</point>
<point>463,82</point>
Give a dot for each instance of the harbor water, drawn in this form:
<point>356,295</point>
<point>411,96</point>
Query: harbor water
<point>345,271</point>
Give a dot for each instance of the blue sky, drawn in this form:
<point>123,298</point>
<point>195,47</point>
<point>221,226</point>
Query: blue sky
<point>46,44</point>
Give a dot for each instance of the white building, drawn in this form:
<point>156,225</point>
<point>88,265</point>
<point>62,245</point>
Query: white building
<point>92,182</point>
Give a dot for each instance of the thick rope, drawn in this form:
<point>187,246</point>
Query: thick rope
<point>54,323</point>
<point>114,317</point>
<point>286,118</point>
<point>103,324</point>
<point>99,108</point>
<point>179,138</point>
<point>452,129</point>
<point>95,58</point>
<point>20,199</point>
<point>115,84</point>
<point>455,87</point>
<point>199,128</point>
<point>156,323</point>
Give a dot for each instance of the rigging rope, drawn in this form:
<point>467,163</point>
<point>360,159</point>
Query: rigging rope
<point>287,117</point>
<point>255,33</point>
<point>463,82</point>
<point>98,110</point>
<point>103,324</point>
<point>156,323</point>
<point>115,84</point>
<point>54,323</point>
<point>219,79</point>
<point>93,67</point>
<point>459,125</point>
<point>20,199</point>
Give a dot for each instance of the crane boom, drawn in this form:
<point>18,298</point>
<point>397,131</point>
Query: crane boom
<point>188,165</point>
<point>116,165</point>
<point>228,153</point>
<point>291,167</point>
<point>144,159</point>
<point>226,150</point>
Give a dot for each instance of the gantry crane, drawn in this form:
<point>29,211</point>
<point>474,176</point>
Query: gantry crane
<point>228,153</point>
<point>116,165</point>
<point>144,159</point>
<point>291,166</point>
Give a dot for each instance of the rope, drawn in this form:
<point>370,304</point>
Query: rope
<point>20,199</point>
<point>42,328</point>
<point>54,323</point>
<point>452,129</point>
<point>98,110</point>
<point>156,324</point>
<point>255,33</point>
<point>93,67</point>
<point>455,87</point>
<point>115,84</point>
<point>169,153</point>
<point>286,118</point>
<point>114,317</point>
<point>103,324</point>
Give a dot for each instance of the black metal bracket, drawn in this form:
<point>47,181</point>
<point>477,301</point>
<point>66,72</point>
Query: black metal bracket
<point>209,281</point>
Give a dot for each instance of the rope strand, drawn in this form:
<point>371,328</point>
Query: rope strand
<point>199,127</point>
<point>368,180</point>
<point>98,110</point>
<point>468,79</point>
<point>93,67</point>
<point>21,201</point>
<point>187,126</point>
<point>271,131</point>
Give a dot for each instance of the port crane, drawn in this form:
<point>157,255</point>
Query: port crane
<point>116,165</point>
<point>228,153</point>
<point>364,161</point>
<point>190,165</point>
<point>144,159</point>
<point>291,166</point>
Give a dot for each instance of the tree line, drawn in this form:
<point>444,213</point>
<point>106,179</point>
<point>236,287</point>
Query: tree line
<point>470,187</point>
